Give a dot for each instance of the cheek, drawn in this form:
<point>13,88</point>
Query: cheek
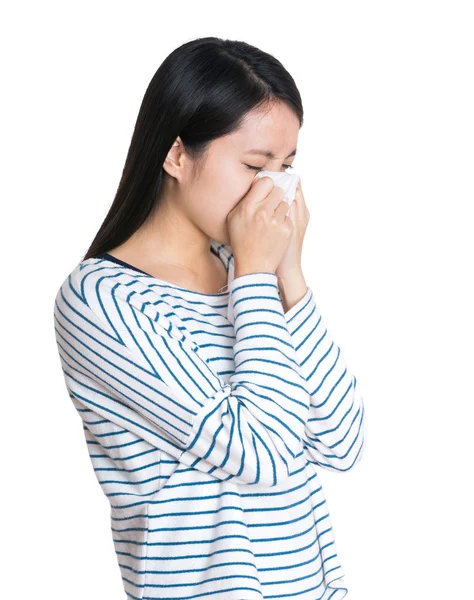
<point>224,182</point>
<point>225,192</point>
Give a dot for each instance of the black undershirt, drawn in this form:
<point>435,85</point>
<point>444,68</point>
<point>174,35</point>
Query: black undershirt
<point>108,256</point>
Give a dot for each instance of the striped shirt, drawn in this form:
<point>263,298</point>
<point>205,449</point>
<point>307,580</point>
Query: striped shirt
<point>206,433</point>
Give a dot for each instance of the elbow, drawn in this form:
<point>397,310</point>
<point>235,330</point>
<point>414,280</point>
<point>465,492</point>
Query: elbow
<point>347,463</point>
<point>340,463</point>
<point>353,456</point>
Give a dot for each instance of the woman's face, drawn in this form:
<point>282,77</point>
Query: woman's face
<point>226,174</point>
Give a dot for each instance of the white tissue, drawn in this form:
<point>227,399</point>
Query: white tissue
<point>287,181</point>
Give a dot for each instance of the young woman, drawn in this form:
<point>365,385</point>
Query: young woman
<point>206,432</point>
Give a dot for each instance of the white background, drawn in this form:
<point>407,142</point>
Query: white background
<point>386,156</point>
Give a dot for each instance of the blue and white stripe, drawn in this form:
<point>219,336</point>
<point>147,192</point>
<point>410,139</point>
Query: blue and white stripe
<point>206,435</point>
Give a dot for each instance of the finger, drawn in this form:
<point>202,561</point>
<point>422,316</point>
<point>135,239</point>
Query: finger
<point>260,188</point>
<point>281,210</point>
<point>293,213</point>
<point>274,198</point>
<point>300,197</point>
<point>298,206</point>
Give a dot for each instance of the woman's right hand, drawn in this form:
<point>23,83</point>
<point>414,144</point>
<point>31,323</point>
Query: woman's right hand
<point>259,229</point>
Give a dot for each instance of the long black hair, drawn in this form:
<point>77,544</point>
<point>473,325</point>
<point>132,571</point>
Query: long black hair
<point>201,91</point>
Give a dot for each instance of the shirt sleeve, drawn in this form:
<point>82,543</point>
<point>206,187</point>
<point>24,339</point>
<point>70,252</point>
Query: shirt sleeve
<point>335,432</point>
<point>122,355</point>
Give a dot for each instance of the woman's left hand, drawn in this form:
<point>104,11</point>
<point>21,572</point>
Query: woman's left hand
<point>299,215</point>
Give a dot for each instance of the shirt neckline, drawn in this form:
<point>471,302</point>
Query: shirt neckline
<point>222,251</point>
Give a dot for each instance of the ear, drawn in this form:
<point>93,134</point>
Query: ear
<point>173,163</point>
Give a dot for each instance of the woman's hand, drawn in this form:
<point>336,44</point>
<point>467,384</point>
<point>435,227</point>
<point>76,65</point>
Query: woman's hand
<point>290,265</point>
<point>258,228</point>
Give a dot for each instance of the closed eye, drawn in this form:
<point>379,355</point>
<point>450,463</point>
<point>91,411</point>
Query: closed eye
<point>261,168</point>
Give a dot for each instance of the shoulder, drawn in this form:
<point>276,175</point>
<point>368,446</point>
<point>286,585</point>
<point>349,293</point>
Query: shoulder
<point>94,277</point>
<point>118,297</point>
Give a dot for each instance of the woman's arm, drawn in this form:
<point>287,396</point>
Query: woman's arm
<point>122,356</point>
<point>335,433</point>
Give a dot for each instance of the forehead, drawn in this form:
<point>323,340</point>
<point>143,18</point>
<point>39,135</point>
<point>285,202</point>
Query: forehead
<point>274,128</point>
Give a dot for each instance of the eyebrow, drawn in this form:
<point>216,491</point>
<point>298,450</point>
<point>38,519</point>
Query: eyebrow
<point>267,153</point>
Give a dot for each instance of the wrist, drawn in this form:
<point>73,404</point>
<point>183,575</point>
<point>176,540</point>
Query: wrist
<point>292,288</point>
<point>246,269</point>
